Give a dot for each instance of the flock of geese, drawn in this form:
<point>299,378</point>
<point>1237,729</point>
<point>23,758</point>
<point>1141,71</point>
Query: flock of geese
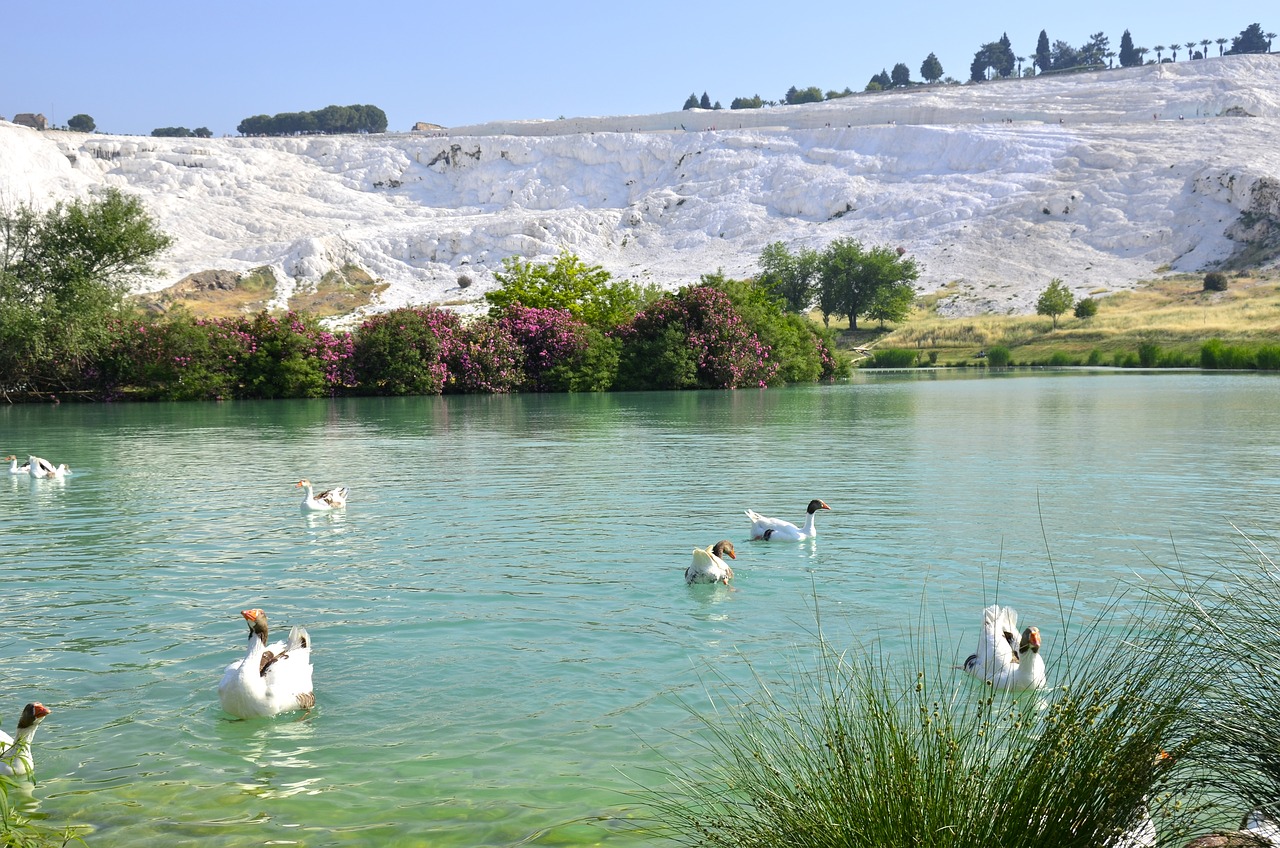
<point>275,678</point>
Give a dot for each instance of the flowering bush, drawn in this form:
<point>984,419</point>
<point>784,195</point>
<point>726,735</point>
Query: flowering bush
<point>693,338</point>
<point>402,352</point>
<point>484,357</point>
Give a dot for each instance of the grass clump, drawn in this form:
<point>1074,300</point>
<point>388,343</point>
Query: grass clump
<point>19,831</point>
<point>870,750</point>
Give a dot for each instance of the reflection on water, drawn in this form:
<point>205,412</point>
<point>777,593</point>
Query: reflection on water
<point>502,631</point>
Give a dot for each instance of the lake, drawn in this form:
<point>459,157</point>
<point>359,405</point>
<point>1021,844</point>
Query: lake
<point>504,646</point>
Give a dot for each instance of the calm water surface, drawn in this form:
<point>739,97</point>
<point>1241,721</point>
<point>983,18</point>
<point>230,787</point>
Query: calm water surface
<point>504,645</point>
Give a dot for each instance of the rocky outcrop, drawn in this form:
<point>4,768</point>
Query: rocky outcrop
<point>29,119</point>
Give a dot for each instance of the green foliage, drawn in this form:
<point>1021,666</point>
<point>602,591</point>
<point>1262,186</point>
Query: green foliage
<point>280,364</point>
<point>1129,57</point>
<point>171,132</point>
<point>998,356</point>
<point>693,339</point>
<point>587,292</point>
<point>850,276</point>
<point>1148,355</point>
<point>931,69</point>
<point>1044,58</point>
<point>753,102</point>
<point>691,102</point>
<point>1086,307</point>
<point>1214,354</point>
<point>1215,281</point>
<point>1054,300</point>
<point>704,102</point>
<point>880,82</point>
<point>892,357</point>
<point>398,352</point>
<point>1061,359</point>
<point>870,747</point>
<point>792,277</point>
<point>81,123</point>
<point>900,76</point>
<point>1250,40</point>
<point>891,302</point>
<point>63,279</point>
<point>329,120</point>
<point>794,96</point>
<point>802,351</point>
<point>1094,358</point>
<point>593,369</point>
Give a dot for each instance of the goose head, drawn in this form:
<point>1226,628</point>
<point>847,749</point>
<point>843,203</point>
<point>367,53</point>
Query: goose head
<point>724,548</point>
<point>1030,641</point>
<point>257,623</point>
<point>815,505</point>
<point>32,715</point>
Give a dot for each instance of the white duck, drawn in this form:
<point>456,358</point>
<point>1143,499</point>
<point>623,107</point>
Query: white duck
<point>334,498</point>
<point>44,469</point>
<point>708,565</point>
<point>14,467</point>
<point>776,529</point>
<point>1002,659</point>
<point>15,759</point>
<point>268,680</point>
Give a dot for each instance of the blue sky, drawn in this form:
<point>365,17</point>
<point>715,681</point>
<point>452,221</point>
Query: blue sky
<point>135,65</point>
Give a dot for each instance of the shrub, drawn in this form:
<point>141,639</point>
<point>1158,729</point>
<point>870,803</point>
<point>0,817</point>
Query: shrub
<point>1267,358</point>
<point>1214,354</point>
<point>693,338</point>
<point>1060,359</point>
<point>1095,357</point>
<point>1215,281</point>
<point>998,356</point>
<point>287,358</point>
<point>400,352</point>
<point>553,343</point>
<point>892,357</point>
<point>1148,355</point>
<point>484,358</point>
<point>1086,307</point>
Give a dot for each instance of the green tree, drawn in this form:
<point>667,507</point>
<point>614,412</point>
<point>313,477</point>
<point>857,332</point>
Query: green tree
<point>790,277</point>
<point>794,96</point>
<point>880,82</point>
<point>1128,55</point>
<point>587,292</point>
<point>901,75</point>
<point>746,102</point>
<point>64,275</point>
<point>1003,59</point>
<point>691,102</point>
<point>1044,58</point>
<point>850,276</point>
<point>891,302</point>
<point>202,132</point>
<point>931,69</point>
<point>81,123</point>
<point>1086,307</point>
<point>1250,40</point>
<point>1054,300</point>
<point>705,101</point>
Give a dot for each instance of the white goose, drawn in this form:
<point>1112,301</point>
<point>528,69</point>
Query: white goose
<point>268,680</point>
<point>1002,659</point>
<point>14,467</point>
<point>708,566</point>
<point>776,529</point>
<point>334,498</point>
<point>15,759</point>
<point>44,469</point>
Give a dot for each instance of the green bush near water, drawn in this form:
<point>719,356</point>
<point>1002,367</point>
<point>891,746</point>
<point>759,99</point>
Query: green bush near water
<point>998,356</point>
<point>893,357</point>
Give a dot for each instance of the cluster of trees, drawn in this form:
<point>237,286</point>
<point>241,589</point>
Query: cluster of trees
<point>181,132</point>
<point>998,59</point>
<point>845,279</point>
<point>68,329</point>
<point>331,120</point>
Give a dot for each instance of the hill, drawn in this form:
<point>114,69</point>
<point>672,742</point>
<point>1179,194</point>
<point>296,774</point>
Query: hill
<point>1102,179</point>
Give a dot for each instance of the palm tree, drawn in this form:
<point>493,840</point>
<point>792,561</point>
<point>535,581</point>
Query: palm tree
<point>1173,50</point>
<point>1159,48</point>
<point>1142,54</point>
<point>1020,59</point>
<point>1205,42</point>
<point>1270,37</point>
<point>1110,54</point>
<point>1220,42</point>
<point>1191,47</point>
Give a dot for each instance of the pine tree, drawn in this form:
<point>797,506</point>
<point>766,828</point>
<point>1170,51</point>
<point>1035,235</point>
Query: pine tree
<point>1043,58</point>
<point>705,102</point>
<point>692,102</point>
<point>931,70</point>
<point>1128,56</point>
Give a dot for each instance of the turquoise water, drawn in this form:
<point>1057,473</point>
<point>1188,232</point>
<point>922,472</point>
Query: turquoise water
<point>505,649</point>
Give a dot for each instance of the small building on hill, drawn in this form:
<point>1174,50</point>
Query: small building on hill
<point>423,126</point>
<point>27,119</point>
